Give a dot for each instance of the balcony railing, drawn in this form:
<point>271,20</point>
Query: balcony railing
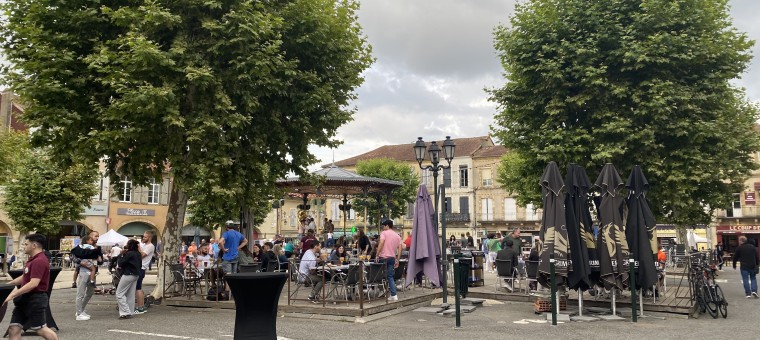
<point>747,211</point>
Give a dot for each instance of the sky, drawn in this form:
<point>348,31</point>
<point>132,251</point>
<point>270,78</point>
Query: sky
<point>433,60</point>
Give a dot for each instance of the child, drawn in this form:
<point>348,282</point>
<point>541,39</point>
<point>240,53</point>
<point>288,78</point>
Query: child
<point>87,244</point>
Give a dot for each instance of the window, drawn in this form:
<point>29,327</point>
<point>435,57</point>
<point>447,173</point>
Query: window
<point>447,177</point>
<point>530,212</point>
<point>464,205</point>
<point>293,217</point>
<point>735,210</point>
<point>335,211</point>
<point>463,179</point>
<point>486,175</point>
<point>426,177</point>
<point>510,209</point>
<point>125,194</point>
<point>486,209</point>
<point>102,184</point>
<point>447,205</point>
<point>409,211</point>
<point>154,192</point>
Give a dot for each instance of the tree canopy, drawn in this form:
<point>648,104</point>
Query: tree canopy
<point>632,83</point>
<point>400,197</point>
<point>221,94</point>
<point>14,148</point>
<point>43,193</point>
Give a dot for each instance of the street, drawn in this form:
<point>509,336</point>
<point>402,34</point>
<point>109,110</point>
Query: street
<point>488,322</point>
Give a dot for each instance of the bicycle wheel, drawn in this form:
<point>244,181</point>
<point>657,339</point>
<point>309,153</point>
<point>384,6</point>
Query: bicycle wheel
<point>710,301</point>
<point>722,303</point>
<point>700,300</point>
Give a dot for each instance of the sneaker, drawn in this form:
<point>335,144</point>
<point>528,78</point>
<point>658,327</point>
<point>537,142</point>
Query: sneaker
<point>313,299</point>
<point>754,295</point>
<point>749,296</point>
<point>139,311</point>
<point>124,317</point>
<point>85,314</point>
<point>393,298</point>
<point>92,284</point>
<point>74,285</point>
<point>82,317</point>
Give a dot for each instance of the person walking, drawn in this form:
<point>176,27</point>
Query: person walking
<point>146,252</point>
<point>130,264</point>
<point>389,252</point>
<point>719,255</point>
<point>30,299</point>
<point>84,290</point>
<point>746,253</point>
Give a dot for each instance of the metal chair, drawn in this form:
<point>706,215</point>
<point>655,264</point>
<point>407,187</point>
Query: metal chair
<point>398,276</point>
<point>531,274</point>
<point>505,273</point>
<point>375,278</point>
<point>273,266</point>
<point>249,268</point>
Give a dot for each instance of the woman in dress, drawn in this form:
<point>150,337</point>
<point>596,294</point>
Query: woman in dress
<point>130,263</point>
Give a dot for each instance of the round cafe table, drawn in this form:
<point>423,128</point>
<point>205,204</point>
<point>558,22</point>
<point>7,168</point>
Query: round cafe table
<point>54,271</point>
<point>256,309</point>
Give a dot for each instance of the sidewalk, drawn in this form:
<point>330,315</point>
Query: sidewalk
<point>103,278</point>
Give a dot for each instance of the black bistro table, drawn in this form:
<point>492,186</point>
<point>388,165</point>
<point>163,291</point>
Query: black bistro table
<point>54,271</point>
<point>256,308</point>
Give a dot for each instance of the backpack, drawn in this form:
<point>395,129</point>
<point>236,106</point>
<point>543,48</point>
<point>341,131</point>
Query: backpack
<point>213,295</point>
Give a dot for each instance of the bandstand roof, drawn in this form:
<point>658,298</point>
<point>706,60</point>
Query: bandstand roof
<point>334,180</point>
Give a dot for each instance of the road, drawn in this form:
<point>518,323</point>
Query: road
<point>488,322</point>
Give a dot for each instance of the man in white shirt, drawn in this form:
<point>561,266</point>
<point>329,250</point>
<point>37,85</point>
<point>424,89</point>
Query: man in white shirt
<point>146,251</point>
<point>308,268</point>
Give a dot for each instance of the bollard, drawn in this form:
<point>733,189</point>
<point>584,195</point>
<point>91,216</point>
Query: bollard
<point>555,305</point>
<point>457,285</point>
<point>632,271</point>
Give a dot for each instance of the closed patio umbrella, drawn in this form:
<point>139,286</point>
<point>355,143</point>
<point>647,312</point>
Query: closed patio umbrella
<point>611,242</point>
<point>640,229</point>
<point>577,218</point>
<point>553,232</point>
<point>425,248</point>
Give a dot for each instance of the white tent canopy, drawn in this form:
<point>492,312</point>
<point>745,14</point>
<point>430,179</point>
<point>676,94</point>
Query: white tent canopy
<point>693,238</point>
<point>112,237</point>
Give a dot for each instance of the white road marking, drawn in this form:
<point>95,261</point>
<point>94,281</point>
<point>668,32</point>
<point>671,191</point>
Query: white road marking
<point>157,335</point>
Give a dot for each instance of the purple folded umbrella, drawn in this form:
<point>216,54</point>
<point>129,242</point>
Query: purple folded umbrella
<point>425,248</point>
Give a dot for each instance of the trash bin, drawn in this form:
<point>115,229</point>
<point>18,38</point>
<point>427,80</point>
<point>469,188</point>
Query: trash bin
<point>465,265</point>
<point>476,270</point>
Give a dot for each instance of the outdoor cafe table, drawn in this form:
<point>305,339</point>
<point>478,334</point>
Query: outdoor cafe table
<point>256,309</point>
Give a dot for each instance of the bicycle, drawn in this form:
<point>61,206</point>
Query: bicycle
<point>708,294</point>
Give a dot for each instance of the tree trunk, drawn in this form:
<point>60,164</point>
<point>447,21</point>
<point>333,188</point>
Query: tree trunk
<point>681,235</point>
<point>170,239</point>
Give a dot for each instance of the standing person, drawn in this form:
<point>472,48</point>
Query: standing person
<point>288,248</point>
<point>746,253</point>
<point>719,255</point>
<point>364,243</point>
<point>85,282</point>
<point>301,227</point>
<point>79,253</point>
<point>470,240</point>
<point>463,241</point>
<point>146,253</point>
<point>113,256</point>
<point>84,291</point>
<point>516,241</point>
<point>494,245</point>
<point>389,252</point>
<point>130,263</point>
<point>304,244</point>
<point>231,242</point>
<point>31,300</point>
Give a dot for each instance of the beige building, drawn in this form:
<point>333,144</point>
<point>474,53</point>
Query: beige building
<point>742,218</point>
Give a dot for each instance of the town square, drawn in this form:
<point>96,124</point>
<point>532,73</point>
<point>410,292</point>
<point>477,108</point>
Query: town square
<point>335,169</point>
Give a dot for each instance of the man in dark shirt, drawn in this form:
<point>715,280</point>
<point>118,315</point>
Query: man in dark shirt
<point>746,253</point>
<point>31,300</point>
<point>507,254</point>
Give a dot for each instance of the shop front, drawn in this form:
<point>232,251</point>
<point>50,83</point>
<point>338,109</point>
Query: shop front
<point>729,235</point>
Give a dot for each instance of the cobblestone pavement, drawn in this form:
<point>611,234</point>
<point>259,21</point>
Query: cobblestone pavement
<point>489,322</point>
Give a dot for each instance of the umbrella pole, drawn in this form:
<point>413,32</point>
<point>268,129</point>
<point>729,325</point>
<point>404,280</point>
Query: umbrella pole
<point>580,302</point>
<point>614,310</point>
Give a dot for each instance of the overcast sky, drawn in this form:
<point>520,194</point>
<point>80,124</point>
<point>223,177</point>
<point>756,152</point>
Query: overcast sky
<point>435,57</point>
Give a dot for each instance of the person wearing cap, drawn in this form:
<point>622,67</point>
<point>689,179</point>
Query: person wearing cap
<point>231,242</point>
<point>389,252</point>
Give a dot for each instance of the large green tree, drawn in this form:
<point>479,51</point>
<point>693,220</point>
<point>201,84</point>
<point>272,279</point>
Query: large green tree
<point>230,93</point>
<point>394,203</point>
<point>42,193</point>
<point>14,149</point>
<point>628,82</point>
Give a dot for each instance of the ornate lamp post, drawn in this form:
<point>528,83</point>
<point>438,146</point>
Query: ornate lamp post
<point>435,157</point>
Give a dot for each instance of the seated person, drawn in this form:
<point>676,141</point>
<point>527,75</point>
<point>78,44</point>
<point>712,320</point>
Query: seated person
<point>508,253</point>
<point>308,268</point>
<point>268,256</point>
<point>336,255</point>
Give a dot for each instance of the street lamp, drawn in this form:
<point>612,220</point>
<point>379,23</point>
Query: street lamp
<point>435,157</point>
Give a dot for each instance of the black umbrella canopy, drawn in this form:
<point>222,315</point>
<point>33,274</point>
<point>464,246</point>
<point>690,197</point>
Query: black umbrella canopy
<point>577,217</point>
<point>611,243</point>
<point>553,230</point>
<point>584,190</point>
<point>640,229</point>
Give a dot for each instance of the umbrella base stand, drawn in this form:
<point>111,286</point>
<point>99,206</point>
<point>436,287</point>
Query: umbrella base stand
<point>641,309</point>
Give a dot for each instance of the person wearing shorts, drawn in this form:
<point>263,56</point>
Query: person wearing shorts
<point>31,300</point>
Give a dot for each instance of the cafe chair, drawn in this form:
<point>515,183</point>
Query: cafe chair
<point>398,276</point>
<point>348,283</point>
<point>506,273</point>
<point>531,275</point>
<point>249,268</point>
<point>273,266</point>
<point>375,279</point>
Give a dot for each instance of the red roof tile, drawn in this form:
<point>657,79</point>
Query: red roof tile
<point>404,152</point>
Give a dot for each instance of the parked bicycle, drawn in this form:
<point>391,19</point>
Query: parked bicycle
<point>706,292</point>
